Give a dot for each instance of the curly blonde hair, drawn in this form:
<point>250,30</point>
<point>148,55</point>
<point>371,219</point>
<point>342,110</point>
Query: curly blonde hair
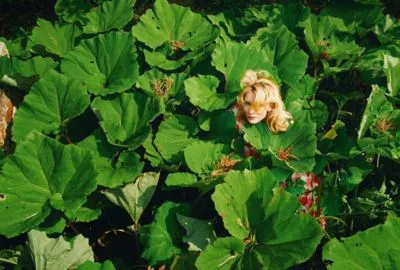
<point>266,92</point>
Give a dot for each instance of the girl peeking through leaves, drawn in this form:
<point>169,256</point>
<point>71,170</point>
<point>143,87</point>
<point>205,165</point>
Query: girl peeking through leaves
<point>260,101</point>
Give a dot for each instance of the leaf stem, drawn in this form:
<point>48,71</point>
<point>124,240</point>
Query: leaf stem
<point>334,218</point>
<point>71,224</point>
<point>67,137</point>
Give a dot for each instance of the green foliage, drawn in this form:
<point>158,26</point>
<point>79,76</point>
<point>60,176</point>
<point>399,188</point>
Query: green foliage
<point>247,208</point>
<point>124,114</point>
<point>106,63</point>
<point>40,175</point>
<point>57,253</point>
<point>50,104</point>
<point>133,113</point>
<point>375,248</point>
<point>134,197</point>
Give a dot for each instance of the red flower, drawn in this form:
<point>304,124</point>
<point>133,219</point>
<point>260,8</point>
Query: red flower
<point>249,151</point>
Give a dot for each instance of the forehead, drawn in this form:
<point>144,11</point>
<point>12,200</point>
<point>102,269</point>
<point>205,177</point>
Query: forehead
<point>256,96</point>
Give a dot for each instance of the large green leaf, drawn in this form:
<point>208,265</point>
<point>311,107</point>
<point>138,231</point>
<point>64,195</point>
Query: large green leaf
<point>202,92</point>
<point>173,24</point>
<point>169,59</point>
<point>318,28</point>
<point>392,71</point>
<point>220,124</point>
<point>71,10</point>
<point>375,248</point>
<point>328,39</point>
<point>356,16</point>
<point>230,24</point>
<point>106,63</point>
<point>265,219</point>
<point>289,14</point>
<point>378,107</point>
<point>387,30</point>
<point>372,60</point>
<point>35,66</point>
<point>299,141</point>
<point>379,127</point>
<point>168,86</point>
<point>236,200</point>
<point>199,233</point>
<point>302,105</point>
<point>211,154</point>
<point>115,167</point>
<point>180,180</point>
<point>57,253</point>
<point>50,104</point>
<point>57,39</point>
<point>88,265</point>
<point>135,197</point>
<point>161,238</point>
<point>174,134</point>
<point>233,59</point>
<point>43,172</point>
<point>113,14</point>
<point>154,156</point>
<point>125,118</point>
<point>291,238</point>
<point>225,254</point>
<point>24,73</point>
<point>336,143</point>
<point>282,50</point>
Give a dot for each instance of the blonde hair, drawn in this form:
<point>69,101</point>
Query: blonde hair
<point>266,91</point>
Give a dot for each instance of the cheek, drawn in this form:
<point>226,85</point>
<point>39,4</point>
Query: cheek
<point>264,112</point>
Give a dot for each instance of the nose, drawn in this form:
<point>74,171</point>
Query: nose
<point>252,111</point>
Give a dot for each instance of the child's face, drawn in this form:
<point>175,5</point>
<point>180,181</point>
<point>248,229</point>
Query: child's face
<point>254,112</point>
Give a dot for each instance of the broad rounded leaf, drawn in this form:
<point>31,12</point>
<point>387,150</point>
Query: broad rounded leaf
<point>375,248</point>
<point>236,199</point>
<point>177,25</point>
<point>211,154</point>
<point>377,107</point>
<point>50,104</point>
<point>318,29</point>
<point>199,233</point>
<point>291,238</point>
<point>174,134</point>
<point>233,59</point>
<point>88,265</point>
<point>125,118</point>
<point>113,14</point>
<point>161,238</point>
<point>57,39</point>
<point>135,197</point>
<point>25,73</point>
<point>106,63</point>
<point>41,172</point>
<point>294,148</point>
<point>282,50</point>
<point>392,71</point>
<point>225,254</point>
<point>168,86</point>
<point>180,179</point>
<point>114,170</point>
<point>169,61</point>
<point>202,92</point>
<point>328,39</point>
<point>71,10</point>
<point>57,253</point>
<point>267,218</point>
